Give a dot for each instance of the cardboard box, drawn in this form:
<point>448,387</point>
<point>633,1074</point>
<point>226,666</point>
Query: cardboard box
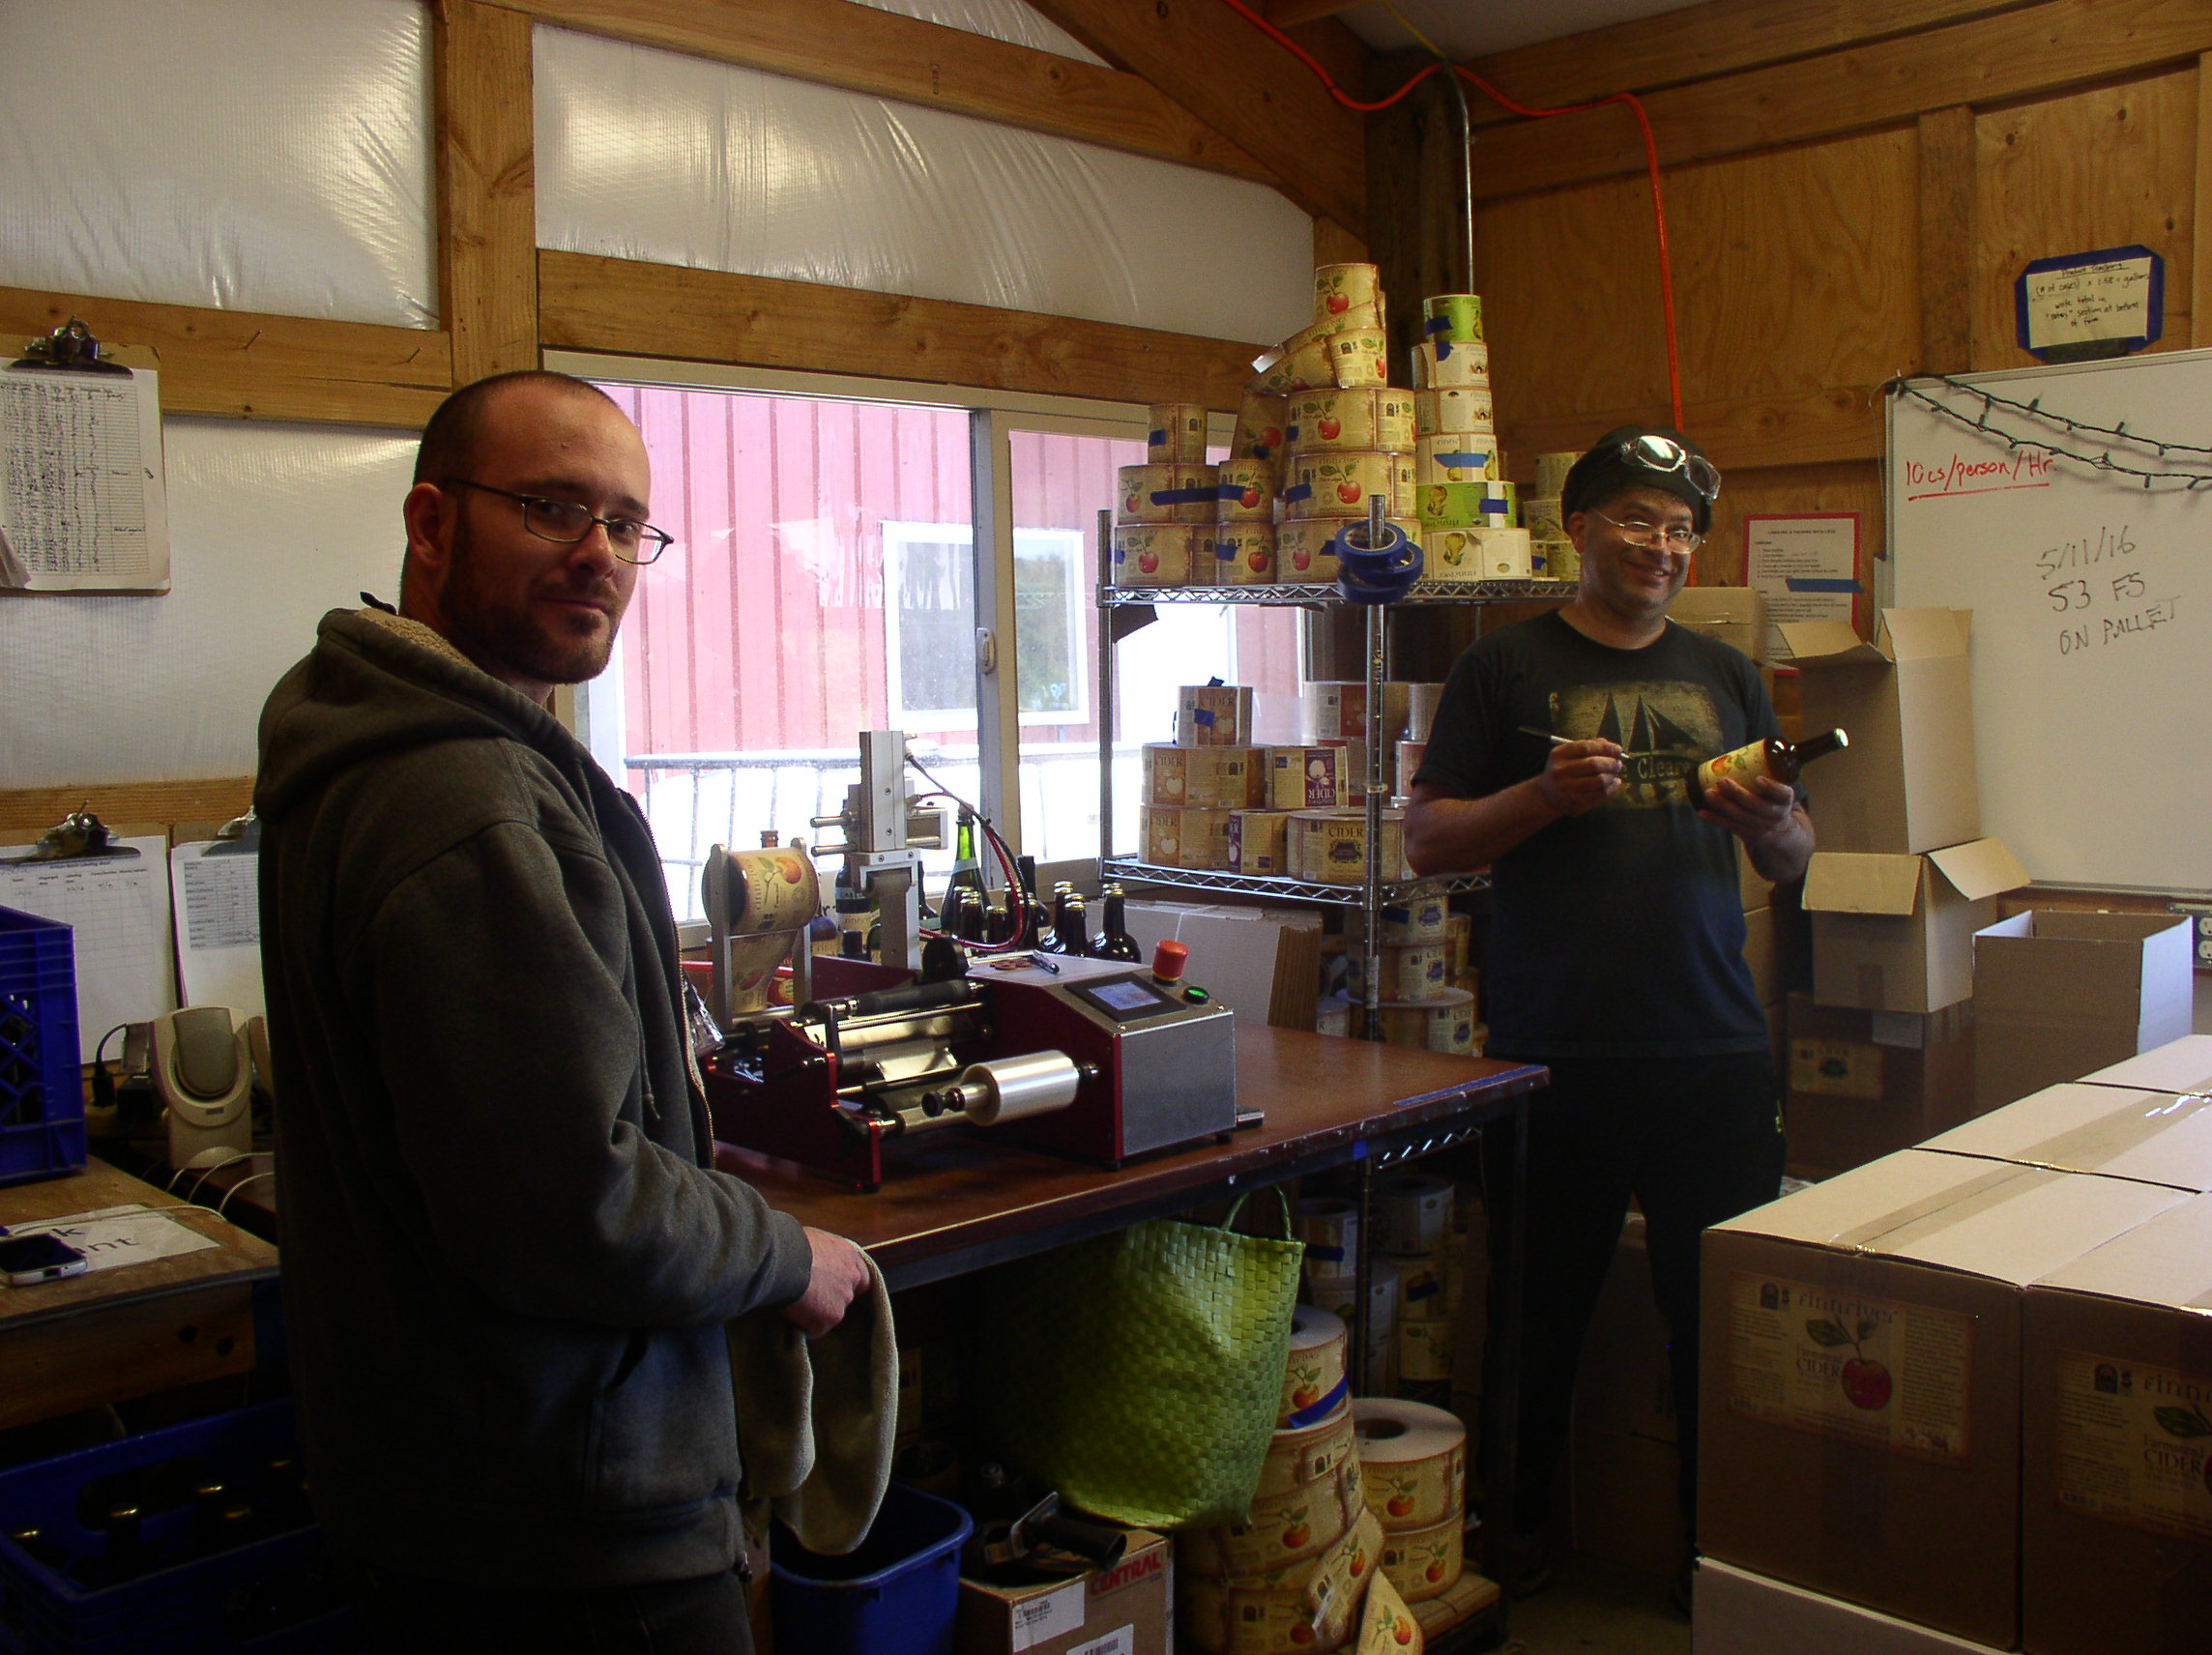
<point>2152,1136</point>
<point>2063,993</point>
<point>2177,1066</point>
<point>1862,1085</point>
<point>1128,1610</point>
<point>1734,615</point>
<point>1860,1378</point>
<point>1896,933</point>
<point>2116,1543</point>
<point>1907,782</point>
<point>1262,963</point>
<point>1737,1613</point>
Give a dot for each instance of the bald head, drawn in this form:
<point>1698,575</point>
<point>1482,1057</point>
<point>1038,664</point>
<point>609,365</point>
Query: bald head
<point>451,439</point>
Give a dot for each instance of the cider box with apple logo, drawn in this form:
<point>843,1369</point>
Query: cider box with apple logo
<point>1860,1378</point>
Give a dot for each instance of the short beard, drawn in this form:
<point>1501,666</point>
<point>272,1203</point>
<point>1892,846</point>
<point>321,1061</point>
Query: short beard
<point>490,632</point>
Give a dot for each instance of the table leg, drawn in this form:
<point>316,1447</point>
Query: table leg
<point>1506,1160</point>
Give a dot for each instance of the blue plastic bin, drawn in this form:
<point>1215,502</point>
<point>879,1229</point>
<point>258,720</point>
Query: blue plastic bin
<point>41,1098</point>
<point>894,1596</point>
<point>267,1597</point>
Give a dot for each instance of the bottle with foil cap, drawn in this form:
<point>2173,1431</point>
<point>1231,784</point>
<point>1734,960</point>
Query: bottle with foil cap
<point>1782,761</point>
<point>1114,941</point>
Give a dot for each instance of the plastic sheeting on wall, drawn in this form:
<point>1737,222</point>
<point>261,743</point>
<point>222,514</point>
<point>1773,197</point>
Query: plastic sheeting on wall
<point>999,19</point>
<point>251,154</point>
<point>269,527</point>
<point>649,154</point>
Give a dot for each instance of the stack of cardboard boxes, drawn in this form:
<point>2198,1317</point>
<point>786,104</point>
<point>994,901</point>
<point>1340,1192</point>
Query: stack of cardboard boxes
<point>1961,1399</point>
<point>1880,1056</point>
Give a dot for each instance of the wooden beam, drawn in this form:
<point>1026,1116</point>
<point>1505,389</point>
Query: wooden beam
<point>839,43</point>
<point>2016,54</point>
<point>631,309</point>
<point>242,364</point>
<point>1240,83</point>
<point>1837,423</point>
<point>1722,37</point>
<point>1334,244</point>
<point>1947,239</point>
<point>487,187</point>
<point>35,809</point>
<point>2201,310</point>
<point>1290,13</point>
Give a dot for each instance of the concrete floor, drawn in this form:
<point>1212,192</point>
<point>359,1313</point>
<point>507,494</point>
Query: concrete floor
<point>1597,1609</point>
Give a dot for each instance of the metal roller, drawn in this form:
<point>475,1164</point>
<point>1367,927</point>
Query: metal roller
<point>1007,1088</point>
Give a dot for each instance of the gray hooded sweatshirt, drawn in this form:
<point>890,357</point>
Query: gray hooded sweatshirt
<point>507,1259</point>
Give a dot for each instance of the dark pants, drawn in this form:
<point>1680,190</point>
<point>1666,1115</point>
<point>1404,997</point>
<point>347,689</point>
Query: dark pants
<point>410,1614</point>
<point>1695,1141</point>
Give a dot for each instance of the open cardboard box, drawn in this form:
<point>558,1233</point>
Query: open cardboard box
<point>2061,993</point>
<point>1860,1378</point>
<point>2116,1421</point>
<point>1863,1085</point>
<point>1907,782</point>
<point>1896,933</point>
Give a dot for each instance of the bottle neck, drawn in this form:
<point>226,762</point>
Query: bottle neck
<point>1817,746</point>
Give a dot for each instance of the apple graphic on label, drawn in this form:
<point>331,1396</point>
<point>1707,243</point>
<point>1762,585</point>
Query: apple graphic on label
<point>1302,1634</point>
<point>1148,561</point>
<point>1402,1629</point>
<point>1866,1383</point>
<point>1301,560</point>
<point>1348,492</point>
<point>1134,500</point>
<point>1248,499</point>
<point>1272,437</point>
<point>1258,561</point>
<point>1329,429</point>
<point>1339,304</point>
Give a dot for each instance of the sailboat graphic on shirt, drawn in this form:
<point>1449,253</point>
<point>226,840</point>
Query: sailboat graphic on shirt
<point>1665,729</point>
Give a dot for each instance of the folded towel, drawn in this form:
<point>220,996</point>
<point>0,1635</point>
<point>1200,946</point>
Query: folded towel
<point>815,1418</point>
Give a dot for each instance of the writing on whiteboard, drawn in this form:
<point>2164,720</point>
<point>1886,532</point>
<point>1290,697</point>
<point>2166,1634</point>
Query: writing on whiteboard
<point>2108,604</point>
<point>2022,467</point>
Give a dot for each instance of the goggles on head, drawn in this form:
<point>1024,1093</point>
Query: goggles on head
<point>1663,454</point>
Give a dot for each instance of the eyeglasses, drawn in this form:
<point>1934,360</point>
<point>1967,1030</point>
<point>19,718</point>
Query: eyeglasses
<point>565,523</point>
<point>1652,538</point>
<point>1665,455</point>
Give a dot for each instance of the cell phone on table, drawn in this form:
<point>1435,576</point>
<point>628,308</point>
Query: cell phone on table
<point>28,1259</point>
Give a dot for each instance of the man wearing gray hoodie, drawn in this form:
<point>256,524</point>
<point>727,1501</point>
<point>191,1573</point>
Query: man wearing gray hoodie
<point>508,1259</point>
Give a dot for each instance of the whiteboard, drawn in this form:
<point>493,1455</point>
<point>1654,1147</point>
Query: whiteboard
<point>2092,600</point>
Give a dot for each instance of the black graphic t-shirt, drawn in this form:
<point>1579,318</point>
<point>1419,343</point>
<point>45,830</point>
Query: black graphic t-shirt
<point>1617,932</point>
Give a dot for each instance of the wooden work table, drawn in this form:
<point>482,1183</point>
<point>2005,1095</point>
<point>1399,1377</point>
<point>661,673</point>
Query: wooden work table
<point>110,1335</point>
<point>952,1203</point>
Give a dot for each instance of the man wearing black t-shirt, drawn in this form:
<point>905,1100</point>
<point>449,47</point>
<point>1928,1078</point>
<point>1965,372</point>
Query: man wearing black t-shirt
<point>1616,931</point>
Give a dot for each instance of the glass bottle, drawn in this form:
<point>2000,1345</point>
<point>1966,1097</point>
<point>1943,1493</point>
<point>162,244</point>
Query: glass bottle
<point>1114,941</point>
<point>1782,761</point>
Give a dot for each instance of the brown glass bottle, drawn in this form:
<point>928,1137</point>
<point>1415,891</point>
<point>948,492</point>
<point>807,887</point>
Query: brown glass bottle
<point>1782,761</point>
<point>1115,942</point>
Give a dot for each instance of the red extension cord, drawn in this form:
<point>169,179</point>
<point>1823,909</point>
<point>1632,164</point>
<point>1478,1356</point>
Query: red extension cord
<point>1635,106</point>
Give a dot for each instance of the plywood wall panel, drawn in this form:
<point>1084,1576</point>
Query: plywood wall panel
<point>1797,269</point>
<point>2097,169</point>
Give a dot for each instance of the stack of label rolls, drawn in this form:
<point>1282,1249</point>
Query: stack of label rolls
<point>1165,510</point>
<point>1413,1463</point>
<point>1555,555</point>
<point>1330,1230</point>
<point>1469,526</point>
<point>1294,1575</point>
<point>1421,1002</point>
<point>1413,1213</point>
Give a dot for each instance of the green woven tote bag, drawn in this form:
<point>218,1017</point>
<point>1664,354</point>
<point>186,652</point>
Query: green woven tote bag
<point>1139,1372</point>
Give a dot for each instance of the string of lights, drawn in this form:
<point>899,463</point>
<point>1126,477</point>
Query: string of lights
<point>1990,402</point>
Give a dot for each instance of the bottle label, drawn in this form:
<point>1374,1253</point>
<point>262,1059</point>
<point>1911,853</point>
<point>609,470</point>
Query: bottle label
<point>1743,767</point>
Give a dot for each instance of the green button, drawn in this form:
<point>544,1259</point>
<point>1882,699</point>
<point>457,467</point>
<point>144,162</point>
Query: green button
<point>1195,995</point>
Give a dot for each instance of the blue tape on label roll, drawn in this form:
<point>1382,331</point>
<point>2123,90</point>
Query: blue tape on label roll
<point>1318,1411</point>
<point>1186,496</point>
<point>1225,550</point>
<point>1297,491</point>
<point>1495,506</point>
<point>1156,439</point>
<point>1443,347</point>
<point>1456,459</point>
<point>1201,715</point>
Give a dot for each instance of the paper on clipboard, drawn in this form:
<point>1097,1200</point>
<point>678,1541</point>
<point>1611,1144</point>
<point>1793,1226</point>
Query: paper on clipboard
<point>218,903</point>
<point>117,1235</point>
<point>118,908</point>
<point>83,503</point>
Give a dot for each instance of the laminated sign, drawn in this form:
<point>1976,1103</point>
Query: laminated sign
<point>2135,1444</point>
<point>1876,1371</point>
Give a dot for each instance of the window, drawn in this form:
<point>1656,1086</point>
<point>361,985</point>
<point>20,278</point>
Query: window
<point>929,619</point>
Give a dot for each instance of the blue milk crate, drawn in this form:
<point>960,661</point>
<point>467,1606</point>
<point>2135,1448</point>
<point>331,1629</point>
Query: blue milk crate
<point>269,1596</point>
<point>41,1098</point>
